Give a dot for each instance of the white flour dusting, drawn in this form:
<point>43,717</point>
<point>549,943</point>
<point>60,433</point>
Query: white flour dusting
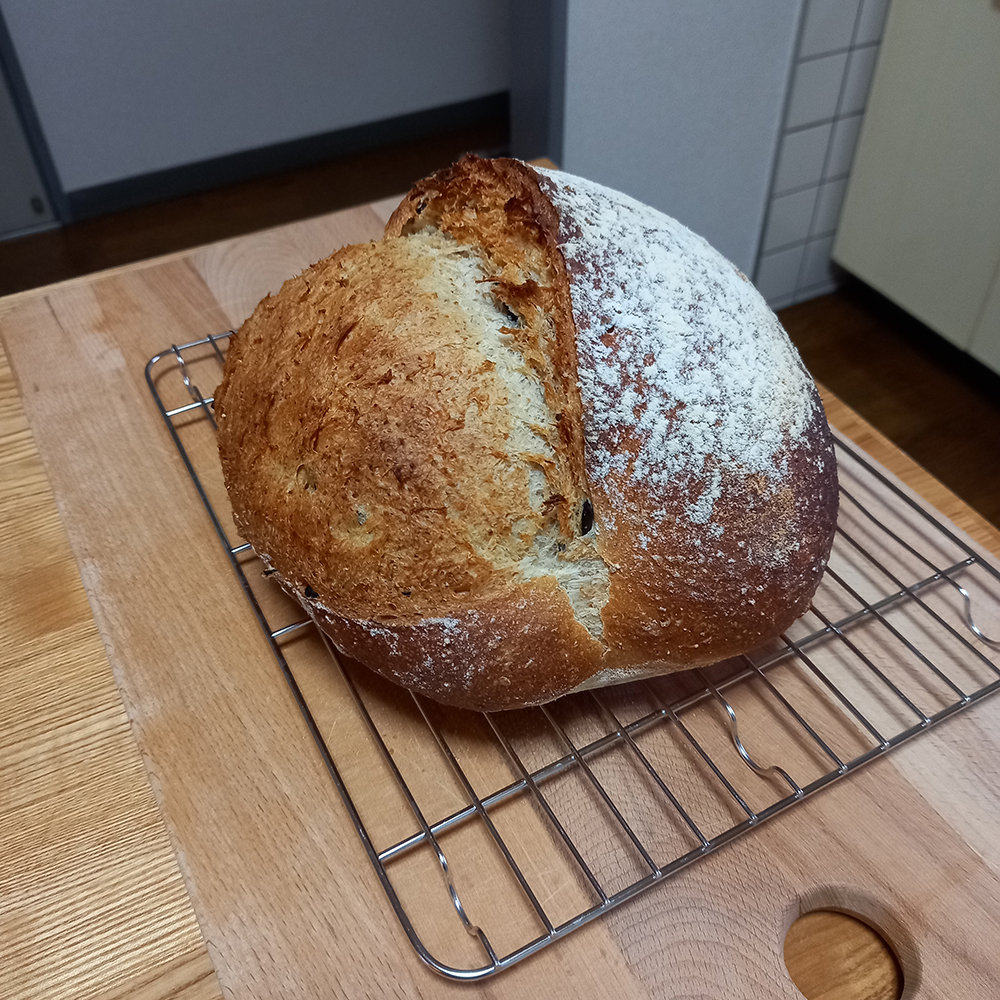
<point>677,350</point>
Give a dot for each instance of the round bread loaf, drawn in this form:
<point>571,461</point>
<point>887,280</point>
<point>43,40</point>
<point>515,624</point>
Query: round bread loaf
<point>540,437</point>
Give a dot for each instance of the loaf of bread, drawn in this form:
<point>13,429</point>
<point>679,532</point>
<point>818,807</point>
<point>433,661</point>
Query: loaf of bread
<point>538,438</point>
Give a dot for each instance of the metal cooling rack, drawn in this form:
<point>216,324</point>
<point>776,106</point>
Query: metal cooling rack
<point>615,789</point>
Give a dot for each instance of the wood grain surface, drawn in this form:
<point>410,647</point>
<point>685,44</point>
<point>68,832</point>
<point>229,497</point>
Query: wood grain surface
<point>832,956</point>
<point>91,898</point>
<point>286,901</point>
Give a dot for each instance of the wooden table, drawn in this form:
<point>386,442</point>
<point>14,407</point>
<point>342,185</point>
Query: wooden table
<point>147,804</point>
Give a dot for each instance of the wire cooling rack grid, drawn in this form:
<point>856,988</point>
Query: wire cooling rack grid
<point>495,835</point>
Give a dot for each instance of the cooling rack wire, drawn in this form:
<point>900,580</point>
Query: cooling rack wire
<point>494,835</point>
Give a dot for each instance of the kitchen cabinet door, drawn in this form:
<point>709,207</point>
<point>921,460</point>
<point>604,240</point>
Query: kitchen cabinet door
<point>921,220</point>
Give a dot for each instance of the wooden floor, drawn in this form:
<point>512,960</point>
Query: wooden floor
<point>186,222</point>
<point>931,400</point>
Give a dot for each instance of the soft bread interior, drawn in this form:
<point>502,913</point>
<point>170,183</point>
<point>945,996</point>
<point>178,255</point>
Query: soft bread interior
<point>464,277</point>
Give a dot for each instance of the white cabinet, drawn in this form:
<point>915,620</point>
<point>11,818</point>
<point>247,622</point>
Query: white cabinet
<point>921,220</point>
<point>679,105</point>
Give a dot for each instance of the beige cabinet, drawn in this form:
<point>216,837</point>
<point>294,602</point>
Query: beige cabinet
<point>921,220</point>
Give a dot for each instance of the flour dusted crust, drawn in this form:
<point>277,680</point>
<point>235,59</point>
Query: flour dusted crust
<point>540,437</point>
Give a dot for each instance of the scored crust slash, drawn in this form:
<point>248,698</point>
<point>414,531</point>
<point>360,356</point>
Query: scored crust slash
<point>537,438</point>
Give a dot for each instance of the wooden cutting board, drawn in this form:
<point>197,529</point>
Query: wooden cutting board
<point>285,899</point>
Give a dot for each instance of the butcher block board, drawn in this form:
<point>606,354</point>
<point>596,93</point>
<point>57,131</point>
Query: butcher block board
<point>285,898</point>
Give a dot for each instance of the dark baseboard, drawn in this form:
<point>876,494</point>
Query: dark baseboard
<point>115,196</point>
<point>930,343</point>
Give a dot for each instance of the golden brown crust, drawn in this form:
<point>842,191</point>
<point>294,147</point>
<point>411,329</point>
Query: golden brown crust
<point>363,439</point>
<point>345,442</point>
<point>522,648</point>
<point>367,444</point>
